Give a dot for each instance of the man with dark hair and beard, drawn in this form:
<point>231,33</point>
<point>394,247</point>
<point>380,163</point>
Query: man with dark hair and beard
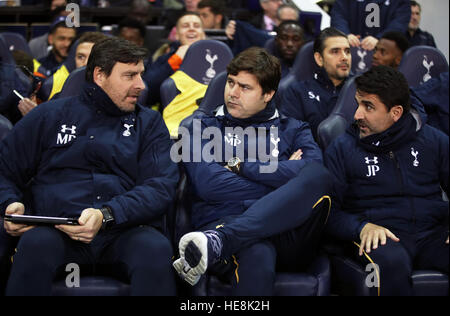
<point>389,168</point>
<point>313,100</point>
<point>60,38</point>
<point>101,158</point>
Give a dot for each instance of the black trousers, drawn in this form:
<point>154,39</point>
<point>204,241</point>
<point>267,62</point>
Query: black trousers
<point>141,255</point>
<point>281,231</point>
<point>397,260</point>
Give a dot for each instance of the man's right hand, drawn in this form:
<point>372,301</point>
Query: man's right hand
<point>181,51</point>
<point>371,234</point>
<point>230,29</point>
<point>12,229</point>
<point>353,40</point>
<point>26,105</point>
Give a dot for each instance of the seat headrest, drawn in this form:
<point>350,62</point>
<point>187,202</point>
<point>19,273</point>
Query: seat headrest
<point>421,63</point>
<point>304,65</point>
<point>74,83</point>
<point>206,58</point>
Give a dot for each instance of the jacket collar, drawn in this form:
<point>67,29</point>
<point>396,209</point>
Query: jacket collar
<point>401,132</point>
<point>268,114</point>
<point>98,99</point>
<point>324,80</point>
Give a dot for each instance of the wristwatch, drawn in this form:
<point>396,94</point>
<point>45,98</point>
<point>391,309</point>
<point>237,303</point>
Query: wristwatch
<point>234,164</point>
<point>108,218</point>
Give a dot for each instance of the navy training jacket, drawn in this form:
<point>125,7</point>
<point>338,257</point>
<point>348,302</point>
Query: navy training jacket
<point>310,101</point>
<point>397,186</point>
<point>219,192</point>
<point>349,16</point>
<point>80,152</point>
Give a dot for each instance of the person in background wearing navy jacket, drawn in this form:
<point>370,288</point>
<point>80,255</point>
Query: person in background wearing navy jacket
<point>99,157</point>
<point>313,100</point>
<point>389,168</point>
<point>415,35</point>
<point>253,214</point>
<point>364,21</point>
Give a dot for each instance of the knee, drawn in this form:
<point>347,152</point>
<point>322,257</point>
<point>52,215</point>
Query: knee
<point>393,261</point>
<point>151,251</point>
<point>40,240</point>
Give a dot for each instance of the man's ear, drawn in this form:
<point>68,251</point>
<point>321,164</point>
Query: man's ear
<point>50,39</point>
<point>268,96</point>
<point>396,112</point>
<point>218,19</point>
<point>98,76</point>
<point>397,60</point>
<point>319,59</point>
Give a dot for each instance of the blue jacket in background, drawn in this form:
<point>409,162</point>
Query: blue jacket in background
<point>246,36</point>
<point>420,38</point>
<point>349,16</point>
<point>219,192</point>
<point>310,101</point>
<point>392,179</point>
<point>80,152</point>
<point>156,72</point>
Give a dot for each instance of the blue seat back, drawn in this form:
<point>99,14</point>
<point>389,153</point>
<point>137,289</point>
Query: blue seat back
<point>270,46</point>
<point>203,61</point>
<point>341,117</point>
<point>303,68</point>
<point>421,63</point>
<point>5,54</point>
<point>15,41</point>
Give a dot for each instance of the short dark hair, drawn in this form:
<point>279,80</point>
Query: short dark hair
<point>319,43</point>
<point>289,22</point>
<point>416,4</point>
<point>399,38</point>
<point>132,23</point>
<point>58,22</point>
<point>92,37</point>
<point>257,61</point>
<point>108,52</point>
<point>388,84</point>
<point>216,6</point>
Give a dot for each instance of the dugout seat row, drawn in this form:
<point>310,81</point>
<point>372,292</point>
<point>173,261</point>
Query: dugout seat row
<point>343,276</point>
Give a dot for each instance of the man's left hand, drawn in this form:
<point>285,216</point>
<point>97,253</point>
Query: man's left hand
<point>90,223</point>
<point>369,42</point>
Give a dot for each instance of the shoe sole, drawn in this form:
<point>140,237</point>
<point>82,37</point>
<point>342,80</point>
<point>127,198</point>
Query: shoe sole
<point>201,241</point>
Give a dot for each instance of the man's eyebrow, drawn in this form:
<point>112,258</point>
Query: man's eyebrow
<point>130,72</point>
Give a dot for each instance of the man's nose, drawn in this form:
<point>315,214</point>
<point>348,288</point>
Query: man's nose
<point>234,91</point>
<point>358,114</point>
<point>139,83</point>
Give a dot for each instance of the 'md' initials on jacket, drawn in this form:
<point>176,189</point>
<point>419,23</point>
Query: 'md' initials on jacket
<point>66,135</point>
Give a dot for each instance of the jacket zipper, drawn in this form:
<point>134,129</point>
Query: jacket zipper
<point>393,157</point>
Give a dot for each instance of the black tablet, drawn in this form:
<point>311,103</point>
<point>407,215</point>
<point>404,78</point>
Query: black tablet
<point>40,220</point>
